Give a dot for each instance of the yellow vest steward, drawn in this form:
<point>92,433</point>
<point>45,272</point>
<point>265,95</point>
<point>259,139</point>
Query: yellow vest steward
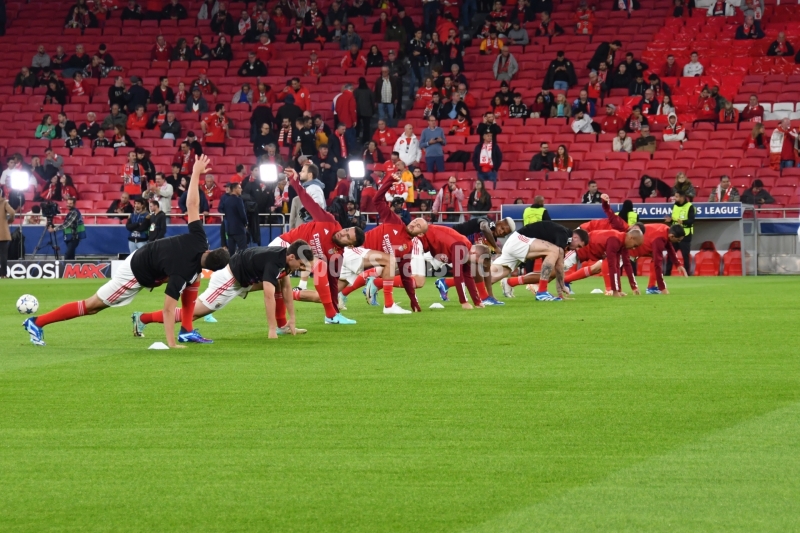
<point>680,213</point>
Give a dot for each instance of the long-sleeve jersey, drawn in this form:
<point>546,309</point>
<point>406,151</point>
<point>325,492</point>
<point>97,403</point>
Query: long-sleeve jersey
<point>391,237</point>
<point>445,241</point>
<point>440,240</point>
<point>611,245</point>
<point>612,221</point>
<point>656,240</point>
<point>319,232</point>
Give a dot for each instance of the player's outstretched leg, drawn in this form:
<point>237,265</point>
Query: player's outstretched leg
<point>35,325</point>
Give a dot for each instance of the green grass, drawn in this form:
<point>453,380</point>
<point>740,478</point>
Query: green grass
<point>652,413</point>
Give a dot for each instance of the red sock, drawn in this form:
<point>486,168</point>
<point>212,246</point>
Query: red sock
<point>158,317</point>
<point>516,280</point>
<point>450,282</point>
<point>397,281</point>
<point>388,296</point>
<point>188,299</point>
<point>481,286</point>
<point>543,285</point>
<point>65,312</point>
<point>322,284</point>
<point>583,273</point>
<point>360,281</point>
<point>296,295</point>
<point>606,275</point>
<point>280,309</point>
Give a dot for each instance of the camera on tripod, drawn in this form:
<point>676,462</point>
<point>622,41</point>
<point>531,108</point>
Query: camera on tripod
<point>50,210</point>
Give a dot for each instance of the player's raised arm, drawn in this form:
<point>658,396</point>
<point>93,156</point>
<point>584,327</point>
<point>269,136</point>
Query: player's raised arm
<point>201,166</point>
<point>387,216</point>
<point>614,219</point>
<point>318,214</point>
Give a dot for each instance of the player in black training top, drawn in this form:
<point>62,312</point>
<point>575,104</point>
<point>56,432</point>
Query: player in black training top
<point>532,242</point>
<point>483,234</point>
<point>554,233</point>
<point>252,269</point>
<point>175,261</point>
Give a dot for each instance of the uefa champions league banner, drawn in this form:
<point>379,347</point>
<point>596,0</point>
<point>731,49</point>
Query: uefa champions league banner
<point>653,212</point>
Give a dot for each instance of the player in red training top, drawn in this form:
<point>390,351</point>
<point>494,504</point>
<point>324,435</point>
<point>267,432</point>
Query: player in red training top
<point>657,239</point>
<point>483,234</point>
<point>449,246</point>
<point>613,246</point>
<point>586,255</point>
<point>327,240</point>
<point>378,257</point>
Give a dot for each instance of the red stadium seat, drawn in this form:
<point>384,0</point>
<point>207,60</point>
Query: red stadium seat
<point>707,260</point>
<point>732,260</point>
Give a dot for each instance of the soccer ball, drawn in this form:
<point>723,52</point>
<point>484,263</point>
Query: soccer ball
<point>27,304</point>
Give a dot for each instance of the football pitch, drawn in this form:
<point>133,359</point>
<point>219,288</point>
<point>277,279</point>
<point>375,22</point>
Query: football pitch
<point>649,413</point>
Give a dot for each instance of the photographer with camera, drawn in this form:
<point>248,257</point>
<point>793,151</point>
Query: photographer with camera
<point>73,227</point>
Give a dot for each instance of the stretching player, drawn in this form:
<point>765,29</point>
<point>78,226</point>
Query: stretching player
<point>546,230</point>
<point>657,239</point>
<point>252,269</point>
<point>612,246</point>
<point>327,240</point>
<point>598,265</point>
<point>523,245</point>
<point>176,261</point>
<point>382,245</point>
<point>483,234</point>
<point>449,246</point>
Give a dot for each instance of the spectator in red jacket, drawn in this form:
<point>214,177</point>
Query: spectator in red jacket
<point>302,97</point>
<point>671,69</point>
<point>346,111</point>
<point>161,51</point>
<point>611,123</point>
<point>137,121</point>
<point>353,58</point>
<point>706,109</point>
<point>383,136</point>
<point>754,112</point>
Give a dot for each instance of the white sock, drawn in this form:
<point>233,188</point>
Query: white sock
<point>303,284</point>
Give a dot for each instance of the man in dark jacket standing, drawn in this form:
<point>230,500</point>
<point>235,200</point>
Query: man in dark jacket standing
<point>136,95</point>
<point>487,158</point>
<point>604,54</point>
<point>235,219</point>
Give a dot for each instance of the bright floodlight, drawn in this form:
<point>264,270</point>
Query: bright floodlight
<point>268,173</point>
<point>20,180</point>
<point>356,169</point>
